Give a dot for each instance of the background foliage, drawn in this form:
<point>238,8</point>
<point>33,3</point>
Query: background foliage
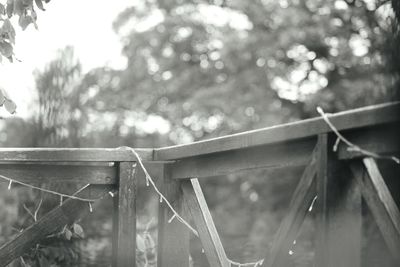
<point>197,69</point>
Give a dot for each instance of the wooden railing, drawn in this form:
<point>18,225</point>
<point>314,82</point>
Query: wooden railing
<point>339,179</point>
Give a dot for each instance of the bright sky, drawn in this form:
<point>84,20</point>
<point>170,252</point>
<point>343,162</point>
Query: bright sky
<point>84,24</point>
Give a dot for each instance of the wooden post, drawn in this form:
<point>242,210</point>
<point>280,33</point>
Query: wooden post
<point>173,236</point>
<point>124,243</point>
<point>339,211</point>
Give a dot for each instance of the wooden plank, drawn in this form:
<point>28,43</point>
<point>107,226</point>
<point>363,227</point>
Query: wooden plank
<point>53,221</point>
<point>29,173</point>
<point>281,155</point>
<point>381,203</point>
<point>173,237</point>
<point>72,154</point>
<point>196,203</point>
<point>126,243</point>
<point>298,209</point>
<point>338,211</point>
<point>352,119</point>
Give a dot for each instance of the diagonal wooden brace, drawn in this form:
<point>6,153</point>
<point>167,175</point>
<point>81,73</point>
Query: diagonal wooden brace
<point>67,213</point>
<point>380,201</point>
<point>196,203</point>
<point>298,208</point>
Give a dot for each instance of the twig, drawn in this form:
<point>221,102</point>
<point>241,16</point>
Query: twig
<point>351,146</point>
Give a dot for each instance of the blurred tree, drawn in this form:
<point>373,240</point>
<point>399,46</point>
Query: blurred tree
<point>213,67</point>
<point>59,119</point>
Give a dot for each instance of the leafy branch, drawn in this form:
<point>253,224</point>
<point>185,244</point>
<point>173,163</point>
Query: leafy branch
<point>25,11</point>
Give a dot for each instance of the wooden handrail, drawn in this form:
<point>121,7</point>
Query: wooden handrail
<point>356,118</point>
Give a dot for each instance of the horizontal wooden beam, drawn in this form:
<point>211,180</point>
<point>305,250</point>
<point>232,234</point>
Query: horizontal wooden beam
<point>36,174</point>
<point>73,154</point>
<point>95,174</point>
<point>357,118</point>
<point>290,154</point>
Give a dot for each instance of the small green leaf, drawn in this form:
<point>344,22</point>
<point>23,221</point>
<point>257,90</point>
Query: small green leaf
<point>68,234</point>
<point>39,4</point>
<point>10,106</point>
<point>10,8</point>
<point>78,230</point>
<point>6,49</point>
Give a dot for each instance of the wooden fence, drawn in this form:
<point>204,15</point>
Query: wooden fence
<point>340,179</point>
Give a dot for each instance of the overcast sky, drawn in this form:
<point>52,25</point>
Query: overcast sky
<point>84,24</point>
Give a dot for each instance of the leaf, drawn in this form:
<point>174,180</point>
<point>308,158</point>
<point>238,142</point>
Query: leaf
<point>78,230</point>
<point>9,29</point>
<point>10,106</point>
<point>19,7</point>
<point>68,234</point>
<point>24,21</point>
<point>10,8</point>
<point>39,4</point>
<point>6,49</point>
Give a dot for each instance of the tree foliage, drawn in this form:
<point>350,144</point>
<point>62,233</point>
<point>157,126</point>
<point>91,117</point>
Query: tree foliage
<point>24,10</point>
<point>212,67</point>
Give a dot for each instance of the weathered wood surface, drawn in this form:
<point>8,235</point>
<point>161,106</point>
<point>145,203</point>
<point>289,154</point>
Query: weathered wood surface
<point>281,155</point>
<point>339,220</point>
<point>357,118</point>
<point>126,233</point>
<point>29,173</point>
<point>173,237</point>
<point>73,154</point>
<point>55,220</point>
<point>383,139</point>
<point>380,201</point>
<point>298,209</point>
<point>196,203</point>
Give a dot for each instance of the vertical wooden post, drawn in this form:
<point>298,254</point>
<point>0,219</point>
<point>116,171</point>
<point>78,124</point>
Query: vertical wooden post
<point>124,221</point>
<point>173,237</point>
<point>339,211</point>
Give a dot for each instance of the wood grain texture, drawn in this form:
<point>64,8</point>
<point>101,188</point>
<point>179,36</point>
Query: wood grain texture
<point>73,154</point>
<point>53,221</point>
<point>196,203</point>
<point>173,237</point>
<point>283,155</point>
<point>338,211</point>
<point>380,201</point>
<point>30,173</point>
<point>357,118</point>
<point>126,234</point>
<point>298,209</point>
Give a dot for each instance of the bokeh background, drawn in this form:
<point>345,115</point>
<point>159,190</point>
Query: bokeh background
<point>151,73</point>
